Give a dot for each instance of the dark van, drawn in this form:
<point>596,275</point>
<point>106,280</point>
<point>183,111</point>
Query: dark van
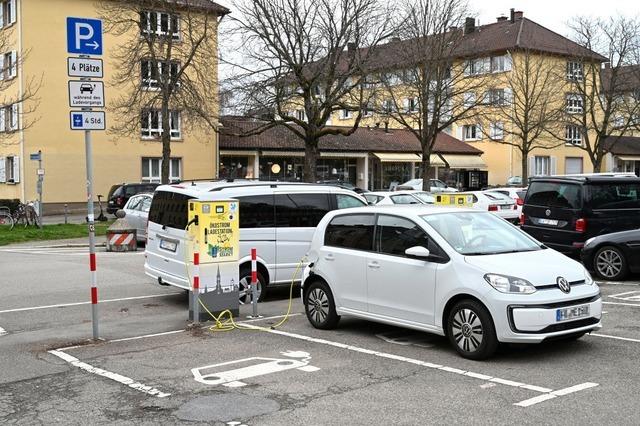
<point>565,211</point>
<point>120,194</point>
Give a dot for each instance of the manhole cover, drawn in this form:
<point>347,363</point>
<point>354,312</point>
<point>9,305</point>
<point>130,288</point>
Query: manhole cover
<point>225,407</point>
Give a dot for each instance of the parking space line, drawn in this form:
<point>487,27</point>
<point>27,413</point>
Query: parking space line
<point>63,305</point>
<point>3,332</point>
<point>166,333</point>
<point>109,375</point>
<point>546,393</point>
<point>637,305</point>
<point>628,339</point>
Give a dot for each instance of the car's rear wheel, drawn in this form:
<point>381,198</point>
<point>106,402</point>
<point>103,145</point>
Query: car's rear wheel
<point>320,306</point>
<point>471,331</point>
<point>609,263</point>
<point>244,286</point>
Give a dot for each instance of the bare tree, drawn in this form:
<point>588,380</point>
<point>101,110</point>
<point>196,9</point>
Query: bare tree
<point>426,89</point>
<point>166,65</point>
<point>18,105</point>
<point>303,61</point>
<point>609,108</point>
<point>528,114</point>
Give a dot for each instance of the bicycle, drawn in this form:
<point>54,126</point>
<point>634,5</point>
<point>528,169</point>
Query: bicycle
<point>6,219</point>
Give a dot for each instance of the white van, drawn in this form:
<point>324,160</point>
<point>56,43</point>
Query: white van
<point>277,219</point>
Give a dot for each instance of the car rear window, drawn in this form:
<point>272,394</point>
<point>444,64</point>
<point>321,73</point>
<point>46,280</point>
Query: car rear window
<point>555,194</point>
<point>353,231</point>
<point>614,196</point>
<point>521,194</point>
<point>170,209</point>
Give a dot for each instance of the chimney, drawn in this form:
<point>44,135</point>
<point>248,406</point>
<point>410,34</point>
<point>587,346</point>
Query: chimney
<point>386,127</point>
<point>351,47</point>
<point>501,18</point>
<point>469,25</point>
<point>517,15</point>
<point>512,13</point>
<point>607,65</point>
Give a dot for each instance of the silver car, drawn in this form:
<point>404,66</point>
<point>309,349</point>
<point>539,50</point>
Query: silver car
<point>137,214</point>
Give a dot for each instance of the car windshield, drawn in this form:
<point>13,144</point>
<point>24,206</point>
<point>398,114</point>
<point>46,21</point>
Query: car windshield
<point>480,233</point>
<point>498,196</point>
<point>425,197</point>
<point>413,182</point>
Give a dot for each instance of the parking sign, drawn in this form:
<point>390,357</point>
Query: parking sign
<point>84,36</point>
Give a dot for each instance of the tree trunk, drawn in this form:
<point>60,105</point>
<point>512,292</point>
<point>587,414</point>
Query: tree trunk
<point>166,142</point>
<point>425,167</point>
<point>525,168</point>
<point>311,154</point>
<point>597,164</point>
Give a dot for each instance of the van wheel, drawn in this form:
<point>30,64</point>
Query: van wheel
<point>610,264</point>
<point>244,286</point>
<point>471,331</point>
<point>319,306</point>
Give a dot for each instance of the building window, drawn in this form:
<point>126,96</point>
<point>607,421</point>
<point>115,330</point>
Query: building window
<point>159,23</point>
<point>575,71</point>
<point>7,13</point>
<point>471,132</point>
<point>155,73</point>
<point>152,167</point>
<point>8,65</point>
<point>573,135</point>
<point>501,63</point>
<point>496,130</point>
<point>388,106</point>
<point>151,124</point>
<point>573,165</point>
<point>367,111</point>
<point>469,99</point>
<point>497,97</point>
<point>9,118</point>
<point>542,166</point>
<point>300,115</point>
<point>10,169</point>
<point>477,66</point>
<point>411,105</point>
<point>574,104</point>
<point>345,114</point>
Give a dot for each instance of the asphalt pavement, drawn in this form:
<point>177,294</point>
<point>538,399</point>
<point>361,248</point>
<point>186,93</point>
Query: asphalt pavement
<point>151,368</point>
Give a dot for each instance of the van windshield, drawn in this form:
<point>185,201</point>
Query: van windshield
<point>555,194</point>
<point>479,233</point>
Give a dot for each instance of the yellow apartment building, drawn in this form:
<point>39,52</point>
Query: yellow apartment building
<point>37,29</point>
<point>490,52</point>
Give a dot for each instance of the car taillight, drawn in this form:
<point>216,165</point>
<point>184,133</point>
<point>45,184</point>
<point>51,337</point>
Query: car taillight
<point>522,219</point>
<point>581,225</point>
<point>493,208</point>
<point>119,201</point>
<point>520,201</point>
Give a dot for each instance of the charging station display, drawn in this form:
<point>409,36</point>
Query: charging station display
<point>454,200</point>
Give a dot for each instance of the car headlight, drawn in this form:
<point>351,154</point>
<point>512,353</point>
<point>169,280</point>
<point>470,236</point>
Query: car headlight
<point>506,284</point>
<point>588,280</point>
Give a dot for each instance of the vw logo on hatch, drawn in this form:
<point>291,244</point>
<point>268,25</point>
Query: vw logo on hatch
<point>563,285</point>
<point>547,212</point>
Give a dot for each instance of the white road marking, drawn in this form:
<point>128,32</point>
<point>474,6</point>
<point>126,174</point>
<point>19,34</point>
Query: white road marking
<point>62,305</point>
<point>637,305</point>
<point>554,394</point>
<point>547,393</point>
<point>109,375</point>
<point>3,332</point>
<point>618,283</point>
<point>627,339</point>
<point>629,296</point>
<point>126,339</point>
<point>66,251</point>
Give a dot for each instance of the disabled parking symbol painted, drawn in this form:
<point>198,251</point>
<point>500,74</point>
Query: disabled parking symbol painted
<point>218,374</point>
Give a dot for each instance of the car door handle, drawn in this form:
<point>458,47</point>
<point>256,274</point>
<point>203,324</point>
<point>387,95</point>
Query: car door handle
<point>373,265</point>
<point>329,257</point>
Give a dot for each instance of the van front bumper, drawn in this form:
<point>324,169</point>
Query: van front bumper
<point>534,321</point>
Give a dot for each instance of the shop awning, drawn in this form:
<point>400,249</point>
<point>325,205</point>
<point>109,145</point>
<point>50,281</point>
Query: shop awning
<point>387,157</point>
<point>465,161</point>
<point>629,157</point>
<point>282,153</point>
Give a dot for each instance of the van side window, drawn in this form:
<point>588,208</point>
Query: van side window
<point>256,211</point>
<point>614,196</point>
<point>352,231</point>
<point>347,201</point>
<point>395,234</point>
<point>551,194</point>
<point>300,210</point>
<point>170,209</point>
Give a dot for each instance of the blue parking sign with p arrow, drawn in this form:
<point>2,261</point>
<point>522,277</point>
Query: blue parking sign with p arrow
<point>84,36</point>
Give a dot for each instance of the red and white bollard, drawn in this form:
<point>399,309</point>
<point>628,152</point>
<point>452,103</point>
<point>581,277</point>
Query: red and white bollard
<point>196,288</point>
<point>254,283</point>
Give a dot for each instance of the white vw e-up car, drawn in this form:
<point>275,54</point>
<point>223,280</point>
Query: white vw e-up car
<point>461,273</point>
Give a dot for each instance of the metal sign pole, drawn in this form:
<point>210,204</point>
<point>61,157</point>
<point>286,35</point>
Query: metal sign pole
<point>40,180</point>
<point>92,233</point>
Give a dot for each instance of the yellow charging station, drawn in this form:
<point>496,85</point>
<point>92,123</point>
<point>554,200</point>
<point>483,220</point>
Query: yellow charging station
<point>454,200</point>
<point>214,233</point>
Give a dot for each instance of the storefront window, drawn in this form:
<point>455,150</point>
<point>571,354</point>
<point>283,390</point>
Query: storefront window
<point>233,167</point>
<point>342,169</point>
<point>281,168</point>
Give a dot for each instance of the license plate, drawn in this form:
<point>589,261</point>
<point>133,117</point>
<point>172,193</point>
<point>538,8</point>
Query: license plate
<point>551,222</point>
<point>566,314</point>
<point>507,207</point>
<point>169,245</point>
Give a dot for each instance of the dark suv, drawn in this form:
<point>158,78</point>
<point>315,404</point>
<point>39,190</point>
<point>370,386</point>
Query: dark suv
<point>120,194</point>
<point>565,211</point>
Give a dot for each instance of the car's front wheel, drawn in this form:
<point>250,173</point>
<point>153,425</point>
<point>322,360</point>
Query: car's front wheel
<point>610,263</point>
<point>471,331</point>
<point>244,286</point>
<point>320,306</point>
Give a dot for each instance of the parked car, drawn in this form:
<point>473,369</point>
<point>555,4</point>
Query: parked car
<point>278,219</point>
<point>342,184</point>
<point>515,193</point>
<point>461,273</point>
<point>120,194</point>
<point>499,204</point>
<point>137,214</point>
<point>436,185</point>
<point>613,256</point>
<point>381,198</point>
<point>565,211</point>
<point>514,181</point>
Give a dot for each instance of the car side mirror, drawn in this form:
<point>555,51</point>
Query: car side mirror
<point>120,214</point>
<point>418,252</point>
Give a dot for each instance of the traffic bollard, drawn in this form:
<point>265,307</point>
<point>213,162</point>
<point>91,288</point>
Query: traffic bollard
<point>66,212</point>
<point>254,283</point>
<point>196,288</point>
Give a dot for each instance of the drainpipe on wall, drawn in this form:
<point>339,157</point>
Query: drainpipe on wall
<point>21,111</point>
